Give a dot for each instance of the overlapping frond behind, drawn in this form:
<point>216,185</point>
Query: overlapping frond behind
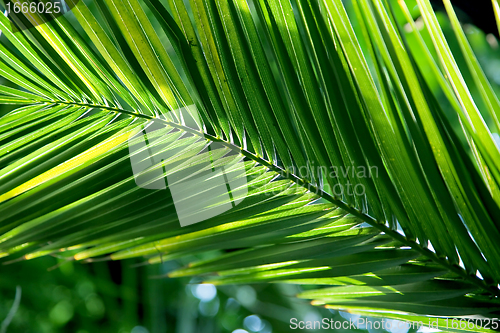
<point>357,178</point>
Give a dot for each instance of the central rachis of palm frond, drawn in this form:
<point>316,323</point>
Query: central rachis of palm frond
<point>290,87</point>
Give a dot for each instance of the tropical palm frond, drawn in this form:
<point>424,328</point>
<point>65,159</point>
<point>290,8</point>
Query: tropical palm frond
<point>293,98</point>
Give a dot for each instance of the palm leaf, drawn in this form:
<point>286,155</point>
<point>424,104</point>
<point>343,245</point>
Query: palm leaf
<point>289,90</point>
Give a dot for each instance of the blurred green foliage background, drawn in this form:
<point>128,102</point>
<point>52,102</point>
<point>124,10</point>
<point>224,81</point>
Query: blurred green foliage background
<point>128,297</point>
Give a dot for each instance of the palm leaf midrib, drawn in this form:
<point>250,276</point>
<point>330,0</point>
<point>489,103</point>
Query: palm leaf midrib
<point>382,227</point>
